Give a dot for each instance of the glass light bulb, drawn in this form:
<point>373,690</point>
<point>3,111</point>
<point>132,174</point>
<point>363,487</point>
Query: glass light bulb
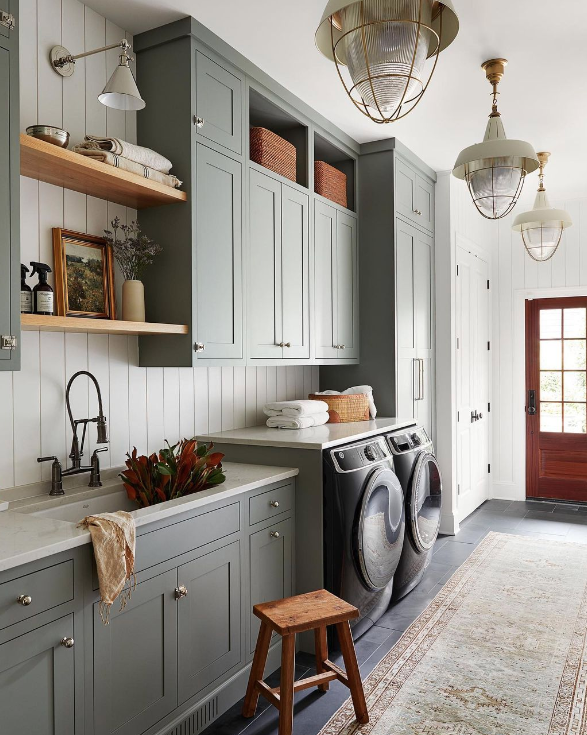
<point>542,239</point>
<point>379,52</point>
<point>495,184</point>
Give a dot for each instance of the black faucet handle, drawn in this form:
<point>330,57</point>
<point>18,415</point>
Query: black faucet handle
<point>95,479</point>
<point>56,475</point>
<point>98,450</point>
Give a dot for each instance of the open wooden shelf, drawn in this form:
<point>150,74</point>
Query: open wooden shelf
<point>36,322</point>
<point>61,167</point>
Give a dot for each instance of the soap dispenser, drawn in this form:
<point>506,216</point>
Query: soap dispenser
<point>26,292</point>
<point>43,296</point>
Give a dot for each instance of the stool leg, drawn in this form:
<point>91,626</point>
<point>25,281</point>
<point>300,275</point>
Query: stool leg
<point>286,690</point>
<point>321,647</point>
<point>352,672</point>
<point>257,669</point>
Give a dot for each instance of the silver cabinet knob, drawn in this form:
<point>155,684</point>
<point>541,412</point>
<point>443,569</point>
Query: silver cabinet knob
<point>67,642</point>
<point>274,534</point>
<point>199,347</point>
<point>281,344</point>
<point>199,121</point>
<point>274,503</point>
<point>24,600</point>
<point>418,212</point>
<point>288,344</point>
<point>341,347</point>
<point>181,591</point>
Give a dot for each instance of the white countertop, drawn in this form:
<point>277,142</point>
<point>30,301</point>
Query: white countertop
<point>25,537</point>
<point>318,437</point>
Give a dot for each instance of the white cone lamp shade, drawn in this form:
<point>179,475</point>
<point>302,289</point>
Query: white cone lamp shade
<point>381,49</point>
<point>495,170</point>
<point>542,227</point>
<point>121,91</point>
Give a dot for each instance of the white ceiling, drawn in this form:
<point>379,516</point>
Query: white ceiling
<point>543,95</point>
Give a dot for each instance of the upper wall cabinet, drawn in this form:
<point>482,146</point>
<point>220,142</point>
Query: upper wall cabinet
<point>9,194</point>
<point>414,196</point>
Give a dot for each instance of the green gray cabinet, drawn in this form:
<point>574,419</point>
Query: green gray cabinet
<point>278,273</point>
<point>37,681</point>
<point>9,193</point>
<point>414,196</point>
<point>336,283</point>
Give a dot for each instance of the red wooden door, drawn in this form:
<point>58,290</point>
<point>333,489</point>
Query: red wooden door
<point>556,398</point>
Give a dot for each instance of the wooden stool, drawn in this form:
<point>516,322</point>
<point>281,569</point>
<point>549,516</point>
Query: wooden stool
<point>312,611</point>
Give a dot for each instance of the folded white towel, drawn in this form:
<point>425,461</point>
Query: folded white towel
<point>355,390</point>
<point>295,408</point>
<point>137,153</point>
<point>113,159</point>
<point>301,422</point>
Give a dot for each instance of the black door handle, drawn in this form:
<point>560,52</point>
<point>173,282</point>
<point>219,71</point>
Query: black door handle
<point>531,402</point>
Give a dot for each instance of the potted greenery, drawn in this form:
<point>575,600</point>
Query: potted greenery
<point>133,252</point>
<point>178,470</point>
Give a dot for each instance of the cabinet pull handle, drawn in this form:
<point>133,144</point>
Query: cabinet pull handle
<point>421,395</point>
<point>274,503</point>
<point>181,591</point>
<point>67,642</point>
<point>416,378</point>
<point>24,600</point>
<point>274,534</point>
<point>199,121</point>
<point>199,347</point>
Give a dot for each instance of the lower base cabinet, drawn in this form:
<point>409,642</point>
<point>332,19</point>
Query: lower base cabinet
<point>37,682</point>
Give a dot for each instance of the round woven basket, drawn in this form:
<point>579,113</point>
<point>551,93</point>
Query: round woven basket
<point>344,409</point>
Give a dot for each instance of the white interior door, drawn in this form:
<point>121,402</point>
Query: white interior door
<point>472,368</point>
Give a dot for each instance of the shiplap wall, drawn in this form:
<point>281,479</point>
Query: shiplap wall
<point>144,406</point>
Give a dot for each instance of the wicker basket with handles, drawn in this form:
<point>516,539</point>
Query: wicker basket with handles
<point>343,409</point>
<point>273,152</point>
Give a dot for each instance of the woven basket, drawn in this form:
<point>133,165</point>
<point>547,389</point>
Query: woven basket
<point>344,409</point>
<point>329,182</point>
<point>273,152</point>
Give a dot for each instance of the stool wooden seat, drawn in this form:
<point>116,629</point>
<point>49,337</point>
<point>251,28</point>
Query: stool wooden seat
<point>312,611</point>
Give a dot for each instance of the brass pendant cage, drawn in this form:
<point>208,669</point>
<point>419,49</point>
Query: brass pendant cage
<point>373,24</point>
<point>500,202</point>
<point>545,250</point>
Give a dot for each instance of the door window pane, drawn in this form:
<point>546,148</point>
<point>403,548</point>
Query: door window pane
<point>551,386</point>
<point>551,417</point>
<point>575,418</point>
<point>575,323</point>
<point>550,323</point>
<point>574,354</point>
<point>551,355</point>
<point>575,387</point>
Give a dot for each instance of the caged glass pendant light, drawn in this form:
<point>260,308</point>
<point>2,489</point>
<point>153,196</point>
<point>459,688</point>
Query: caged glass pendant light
<point>495,169</point>
<point>384,45</point>
<point>542,227</point>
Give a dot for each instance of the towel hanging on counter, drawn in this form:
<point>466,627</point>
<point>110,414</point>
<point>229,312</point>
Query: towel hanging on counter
<point>355,390</point>
<point>114,540</point>
<point>136,153</point>
<point>295,408</point>
<point>301,422</point>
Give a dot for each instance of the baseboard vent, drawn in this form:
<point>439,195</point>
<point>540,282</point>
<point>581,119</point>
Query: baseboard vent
<point>198,720</point>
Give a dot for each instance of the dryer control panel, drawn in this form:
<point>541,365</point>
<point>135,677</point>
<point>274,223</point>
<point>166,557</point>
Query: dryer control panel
<point>409,440</point>
<point>348,459</point>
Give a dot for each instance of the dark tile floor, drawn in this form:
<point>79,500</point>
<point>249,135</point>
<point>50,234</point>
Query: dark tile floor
<point>312,708</point>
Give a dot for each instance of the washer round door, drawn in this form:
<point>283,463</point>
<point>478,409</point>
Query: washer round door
<point>379,530</point>
<point>425,501</point>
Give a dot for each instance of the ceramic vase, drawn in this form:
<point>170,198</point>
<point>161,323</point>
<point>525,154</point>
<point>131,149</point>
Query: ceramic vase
<point>133,301</point>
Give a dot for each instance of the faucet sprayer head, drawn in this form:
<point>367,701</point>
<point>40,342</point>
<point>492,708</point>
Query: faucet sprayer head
<point>102,429</point>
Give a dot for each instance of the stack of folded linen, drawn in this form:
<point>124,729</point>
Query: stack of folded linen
<point>129,157</point>
<point>356,389</point>
<point>296,414</point>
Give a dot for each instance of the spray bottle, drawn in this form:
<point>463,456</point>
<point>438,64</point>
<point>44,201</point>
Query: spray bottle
<point>42,292</point>
<point>26,293</point>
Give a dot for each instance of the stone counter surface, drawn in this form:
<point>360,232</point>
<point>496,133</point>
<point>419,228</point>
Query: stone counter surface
<point>25,537</point>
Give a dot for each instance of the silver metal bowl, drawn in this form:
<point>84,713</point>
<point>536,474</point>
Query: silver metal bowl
<point>53,135</point>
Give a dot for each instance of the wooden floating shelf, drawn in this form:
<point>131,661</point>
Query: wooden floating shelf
<point>61,167</point>
<point>36,322</point>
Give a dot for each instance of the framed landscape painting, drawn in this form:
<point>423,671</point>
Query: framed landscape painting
<point>84,275</point>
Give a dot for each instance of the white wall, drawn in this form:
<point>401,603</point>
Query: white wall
<point>144,406</point>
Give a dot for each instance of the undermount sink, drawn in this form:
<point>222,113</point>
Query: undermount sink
<point>76,510</point>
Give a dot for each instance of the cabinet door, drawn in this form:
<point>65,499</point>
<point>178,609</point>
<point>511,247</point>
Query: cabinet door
<point>407,366</point>
<point>405,189</point>
<point>325,281</point>
<point>209,619</point>
<point>271,569</point>
<point>135,659</point>
<point>347,289</point>
<point>264,284</point>
<point>218,104</point>
<point>295,273</point>
<point>424,198</point>
<point>423,284</point>
<point>37,687</point>
<point>218,246</point>
<point>9,193</point>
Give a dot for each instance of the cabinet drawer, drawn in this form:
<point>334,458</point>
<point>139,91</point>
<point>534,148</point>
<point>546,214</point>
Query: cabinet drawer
<point>46,588</point>
<point>179,538</point>
<point>271,503</point>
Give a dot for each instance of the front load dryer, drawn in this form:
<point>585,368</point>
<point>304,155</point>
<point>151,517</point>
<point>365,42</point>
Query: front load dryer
<point>419,473</point>
<point>364,524</point>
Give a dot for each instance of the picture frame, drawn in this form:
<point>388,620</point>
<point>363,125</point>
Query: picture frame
<point>84,275</point>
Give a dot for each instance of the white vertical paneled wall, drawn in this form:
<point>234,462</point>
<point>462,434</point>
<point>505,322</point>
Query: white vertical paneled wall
<point>144,406</point>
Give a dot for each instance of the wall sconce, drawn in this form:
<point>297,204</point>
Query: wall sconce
<point>121,91</point>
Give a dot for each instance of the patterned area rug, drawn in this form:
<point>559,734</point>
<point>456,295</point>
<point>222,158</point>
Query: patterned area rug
<point>501,650</point>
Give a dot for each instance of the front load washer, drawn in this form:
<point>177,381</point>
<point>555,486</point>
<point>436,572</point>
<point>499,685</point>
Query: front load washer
<point>364,525</point>
<point>419,473</point>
